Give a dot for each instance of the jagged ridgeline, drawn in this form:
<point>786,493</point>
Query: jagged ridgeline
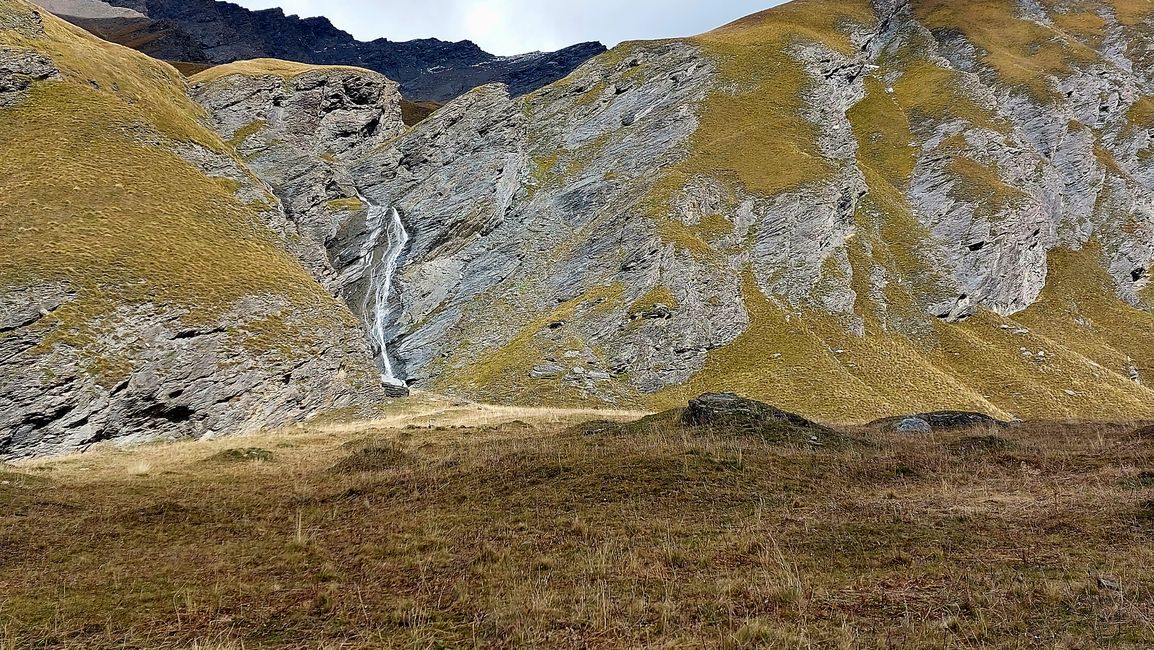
<point>848,209</point>
<point>146,286</point>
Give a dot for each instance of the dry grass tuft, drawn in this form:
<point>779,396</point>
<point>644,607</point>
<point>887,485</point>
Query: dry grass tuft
<point>373,459</point>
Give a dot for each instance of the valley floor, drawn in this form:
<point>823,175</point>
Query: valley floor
<point>465,527</point>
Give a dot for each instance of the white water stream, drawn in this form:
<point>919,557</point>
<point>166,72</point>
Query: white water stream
<point>381,254</point>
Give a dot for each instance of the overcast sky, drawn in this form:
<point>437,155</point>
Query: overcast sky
<point>517,26</point>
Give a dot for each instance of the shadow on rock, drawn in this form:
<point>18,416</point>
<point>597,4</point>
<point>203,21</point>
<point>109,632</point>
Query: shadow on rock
<point>938,421</point>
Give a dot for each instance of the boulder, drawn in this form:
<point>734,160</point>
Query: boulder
<point>913,425</point>
<point>732,410</point>
<point>731,413</point>
<point>953,420</point>
<point>938,421</point>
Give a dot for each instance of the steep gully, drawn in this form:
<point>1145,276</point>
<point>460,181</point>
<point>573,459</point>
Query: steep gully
<point>380,258</point>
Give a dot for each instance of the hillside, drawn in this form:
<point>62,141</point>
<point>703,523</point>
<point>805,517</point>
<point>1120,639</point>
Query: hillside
<point>213,32</point>
<point>150,285</point>
<point>848,209</point>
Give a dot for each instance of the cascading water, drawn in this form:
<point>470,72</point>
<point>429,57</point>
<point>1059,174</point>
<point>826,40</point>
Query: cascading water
<point>380,255</point>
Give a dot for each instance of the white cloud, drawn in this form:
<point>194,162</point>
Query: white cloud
<point>517,26</point>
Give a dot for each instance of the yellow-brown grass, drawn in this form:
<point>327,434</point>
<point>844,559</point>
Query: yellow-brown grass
<point>96,194</point>
<point>536,535</point>
<point>275,67</point>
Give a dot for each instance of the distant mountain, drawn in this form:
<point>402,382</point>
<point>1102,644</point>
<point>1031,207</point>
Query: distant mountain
<point>88,9</point>
<point>212,32</point>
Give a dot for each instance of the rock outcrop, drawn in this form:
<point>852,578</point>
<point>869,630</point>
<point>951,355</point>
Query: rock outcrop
<point>940,421</point>
<point>727,414</point>
<point>149,287</point>
<point>731,411</point>
<point>298,128</point>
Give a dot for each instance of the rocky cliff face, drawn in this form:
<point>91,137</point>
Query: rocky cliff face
<point>212,32</point>
<point>298,127</point>
<point>848,208</point>
<point>147,288</point>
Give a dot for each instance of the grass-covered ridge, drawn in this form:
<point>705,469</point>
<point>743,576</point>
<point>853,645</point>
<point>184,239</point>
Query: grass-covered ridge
<point>260,67</point>
<point>1023,53</point>
<point>95,194</point>
<point>805,358</point>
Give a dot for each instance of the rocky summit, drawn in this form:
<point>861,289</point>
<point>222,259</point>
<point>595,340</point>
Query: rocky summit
<point>199,33</point>
<point>849,209</point>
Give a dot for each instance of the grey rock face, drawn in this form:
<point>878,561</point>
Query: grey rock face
<point>913,425</point>
<point>561,251</point>
<point>298,134</point>
<point>181,382</point>
<point>19,68</point>
<point>494,190</point>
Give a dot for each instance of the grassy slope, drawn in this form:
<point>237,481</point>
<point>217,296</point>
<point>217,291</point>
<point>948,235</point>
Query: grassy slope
<point>974,365</point>
<point>527,535</point>
<point>753,137</point>
<point>756,132</point>
<point>92,194</point>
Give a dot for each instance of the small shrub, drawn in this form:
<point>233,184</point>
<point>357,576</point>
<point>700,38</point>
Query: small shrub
<point>1141,482</point>
<point>377,458</point>
<point>250,455</point>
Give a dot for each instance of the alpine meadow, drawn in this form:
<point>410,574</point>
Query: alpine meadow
<point>831,327</point>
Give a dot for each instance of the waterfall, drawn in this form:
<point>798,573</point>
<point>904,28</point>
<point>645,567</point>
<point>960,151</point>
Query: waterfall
<point>380,255</point>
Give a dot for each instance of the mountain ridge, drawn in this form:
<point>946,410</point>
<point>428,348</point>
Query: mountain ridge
<point>213,32</point>
<point>844,180</point>
<point>151,286</point>
<point>849,209</point>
